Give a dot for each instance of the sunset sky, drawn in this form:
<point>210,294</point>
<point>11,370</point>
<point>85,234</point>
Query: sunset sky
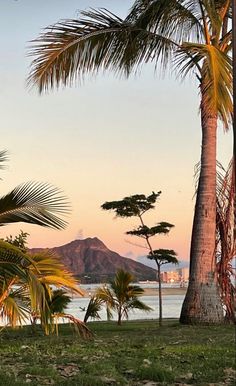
<point>99,141</point>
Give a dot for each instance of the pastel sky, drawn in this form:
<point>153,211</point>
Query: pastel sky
<point>99,141</point>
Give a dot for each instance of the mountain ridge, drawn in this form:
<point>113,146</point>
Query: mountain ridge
<point>91,261</point>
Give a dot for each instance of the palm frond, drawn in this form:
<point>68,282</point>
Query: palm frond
<point>14,309</point>
<point>13,262</point>
<point>179,20</point>
<point>226,240</point>
<point>3,158</point>
<point>50,271</point>
<point>100,40</point>
<point>59,301</point>
<point>34,203</point>
<point>121,295</point>
<point>138,304</point>
<point>79,326</point>
<point>94,306</point>
<point>216,76</point>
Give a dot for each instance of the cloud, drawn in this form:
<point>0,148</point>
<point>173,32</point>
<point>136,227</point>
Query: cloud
<point>79,235</point>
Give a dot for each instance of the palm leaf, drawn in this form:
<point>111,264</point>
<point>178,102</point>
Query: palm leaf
<point>94,306</point>
<point>176,19</point>
<point>14,309</point>
<point>50,271</point>
<point>34,203</point>
<point>3,158</point>
<point>99,40</point>
<point>79,326</point>
<point>216,74</point>
<point>138,304</point>
<point>13,262</point>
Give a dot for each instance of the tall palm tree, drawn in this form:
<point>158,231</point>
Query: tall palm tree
<point>192,37</point>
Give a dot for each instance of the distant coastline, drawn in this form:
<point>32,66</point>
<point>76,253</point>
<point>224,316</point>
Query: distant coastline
<point>147,291</point>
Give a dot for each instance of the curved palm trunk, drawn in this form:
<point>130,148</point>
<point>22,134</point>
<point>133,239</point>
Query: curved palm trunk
<point>202,304</point>
<point>119,316</point>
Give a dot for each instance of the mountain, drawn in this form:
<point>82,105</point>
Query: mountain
<point>91,261</point>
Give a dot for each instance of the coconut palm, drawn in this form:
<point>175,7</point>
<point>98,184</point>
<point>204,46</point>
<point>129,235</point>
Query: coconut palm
<point>122,296</point>
<point>192,37</point>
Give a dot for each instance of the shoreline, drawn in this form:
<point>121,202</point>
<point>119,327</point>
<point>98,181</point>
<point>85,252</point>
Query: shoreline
<point>147,292</point>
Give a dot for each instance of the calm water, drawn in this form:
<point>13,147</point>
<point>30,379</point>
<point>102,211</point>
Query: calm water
<point>171,305</point>
<point>171,308</point>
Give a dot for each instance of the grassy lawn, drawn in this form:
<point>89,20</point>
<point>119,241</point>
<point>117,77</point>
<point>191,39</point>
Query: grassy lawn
<point>137,353</point>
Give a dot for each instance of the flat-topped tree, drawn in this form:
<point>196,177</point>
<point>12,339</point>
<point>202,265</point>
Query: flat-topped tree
<point>136,206</point>
<point>161,257</point>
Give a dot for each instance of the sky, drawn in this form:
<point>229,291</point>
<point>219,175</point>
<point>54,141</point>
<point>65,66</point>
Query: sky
<point>100,141</point>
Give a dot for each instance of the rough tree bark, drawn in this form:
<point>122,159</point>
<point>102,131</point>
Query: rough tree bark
<point>202,304</point>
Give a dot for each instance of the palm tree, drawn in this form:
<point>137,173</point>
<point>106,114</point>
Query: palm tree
<point>57,302</point>
<point>40,204</point>
<point>161,257</point>
<point>92,311</point>
<point>26,285</point>
<point>122,296</point>
<point>14,303</point>
<point>192,37</point>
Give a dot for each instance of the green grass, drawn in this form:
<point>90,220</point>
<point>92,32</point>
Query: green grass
<point>132,354</point>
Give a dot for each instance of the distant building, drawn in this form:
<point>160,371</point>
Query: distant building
<point>180,275</point>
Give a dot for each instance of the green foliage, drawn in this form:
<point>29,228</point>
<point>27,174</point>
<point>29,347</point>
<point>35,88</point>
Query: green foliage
<point>154,372</point>
<point>26,280</point>
<point>34,203</point>
<point>189,37</point>
<point>94,306</point>
<point>163,256</point>
<point>135,205</point>
<point>122,296</point>
<point>145,231</point>
<point>226,238</point>
<point>58,301</point>
<point>19,241</point>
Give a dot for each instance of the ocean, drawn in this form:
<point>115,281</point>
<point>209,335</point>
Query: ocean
<point>171,304</point>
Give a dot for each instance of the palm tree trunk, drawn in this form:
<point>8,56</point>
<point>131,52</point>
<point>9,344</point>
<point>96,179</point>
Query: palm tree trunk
<point>160,296</point>
<point>202,304</point>
<point>119,318</point>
